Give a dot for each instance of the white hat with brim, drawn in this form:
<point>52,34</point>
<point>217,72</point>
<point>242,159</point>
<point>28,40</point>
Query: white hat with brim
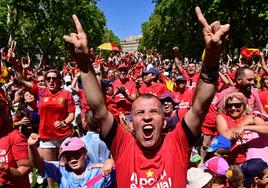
<point>197,178</point>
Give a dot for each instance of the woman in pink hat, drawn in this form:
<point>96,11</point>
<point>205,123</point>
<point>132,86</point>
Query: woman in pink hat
<point>74,168</point>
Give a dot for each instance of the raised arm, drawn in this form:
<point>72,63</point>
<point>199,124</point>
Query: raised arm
<point>19,72</point>
<point>214,35</point>
<point>74,83</point>
<point>263,64</point>
<point>90,83</point>
<point>34,155</point>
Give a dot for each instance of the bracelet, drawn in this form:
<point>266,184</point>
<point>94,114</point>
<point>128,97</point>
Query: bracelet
<point>64,123</point>
<point>208,79</point>
<point>210,75</point>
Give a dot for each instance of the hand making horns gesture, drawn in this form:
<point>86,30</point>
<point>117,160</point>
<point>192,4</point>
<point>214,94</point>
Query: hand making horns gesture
<point>79,42</point>
<point>213,36</point>
<point>213,33</point>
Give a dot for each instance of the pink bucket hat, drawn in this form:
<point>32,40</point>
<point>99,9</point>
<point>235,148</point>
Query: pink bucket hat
<point>71,144</point>
<point>217,165</point>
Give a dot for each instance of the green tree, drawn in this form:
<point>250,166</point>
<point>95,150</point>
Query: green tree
<point>38,26</point>
<point>109,36</point>
<point>173,23</point>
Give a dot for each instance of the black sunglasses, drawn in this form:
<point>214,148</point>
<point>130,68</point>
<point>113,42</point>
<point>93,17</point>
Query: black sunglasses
<point>168,99</point>
<point>51,78</point>
<point>236,105</point>
<point>38,81</point>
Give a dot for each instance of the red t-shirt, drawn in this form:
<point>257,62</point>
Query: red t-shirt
<point>55,107</point>
<point>264,99</point>
<point>111,106</point>
<point>191,81</point>
<point>210,119</point>
<point>232,74</point>
<point>185,101</point>
<point>156,89</point>
<point>209,124</point>
<point>13,147</point>
<point>221,85</point>
<point>4,108</point>
<point>237,154</point>
<point>166,167</point>
<point>84,105</point>
<point>124,105</point>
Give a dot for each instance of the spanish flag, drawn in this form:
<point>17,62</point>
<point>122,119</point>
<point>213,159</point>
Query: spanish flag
<point>249,53</point>
<point>169,83</point>
<point>4,75</point>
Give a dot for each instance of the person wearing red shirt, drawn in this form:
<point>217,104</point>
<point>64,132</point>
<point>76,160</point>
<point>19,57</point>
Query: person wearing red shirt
<point>182,95</point>
<point>170,113</point>
<point>237,124</point>
<point>151,84</point>
<point>146,158</point>
<point>14,160</point>
<point>263,92</point>
<point>209,126</point>
<point>108,92</point>
<point>56,110</point>
<point>190,74</point>
<point>125,91</point>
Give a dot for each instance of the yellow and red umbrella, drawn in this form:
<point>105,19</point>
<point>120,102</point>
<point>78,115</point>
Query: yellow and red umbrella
<point>109,46</point>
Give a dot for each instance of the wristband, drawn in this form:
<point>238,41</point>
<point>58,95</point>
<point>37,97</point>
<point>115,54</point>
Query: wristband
<point>209,75</point>
<point>208,79</point>
<point>64,123</point>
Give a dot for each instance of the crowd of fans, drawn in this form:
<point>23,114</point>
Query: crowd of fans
<point>133,119</point>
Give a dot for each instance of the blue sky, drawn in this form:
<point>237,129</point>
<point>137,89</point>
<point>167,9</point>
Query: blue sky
<point>124,17</point>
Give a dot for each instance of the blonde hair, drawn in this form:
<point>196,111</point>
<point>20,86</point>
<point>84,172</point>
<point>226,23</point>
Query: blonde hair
<point>239,96</point>
<point>236,177</point>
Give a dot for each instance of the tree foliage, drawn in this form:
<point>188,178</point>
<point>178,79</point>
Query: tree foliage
<point>38,26</point>
<point>173,23</point>
<point>109,36</point>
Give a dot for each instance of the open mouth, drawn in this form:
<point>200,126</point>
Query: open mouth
<point>166,107</point>
<point>148,131</point>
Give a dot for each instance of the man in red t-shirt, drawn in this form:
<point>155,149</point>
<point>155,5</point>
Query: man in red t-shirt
<point>148,158</point>
<point>190,75</point>
<point>150,83</point>
<point>182,95</point>
<point>125,90</point>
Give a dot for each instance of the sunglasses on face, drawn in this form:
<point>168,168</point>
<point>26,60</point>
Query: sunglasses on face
<point>236,105</point>
<point>166,100</point>
<point>38,81</point>
<point>51,78</point>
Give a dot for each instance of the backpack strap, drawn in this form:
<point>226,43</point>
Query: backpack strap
<point>94,180</point>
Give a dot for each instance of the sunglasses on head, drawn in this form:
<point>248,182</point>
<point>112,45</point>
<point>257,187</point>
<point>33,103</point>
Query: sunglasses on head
<point>236,105</point>
<point>49,78</point>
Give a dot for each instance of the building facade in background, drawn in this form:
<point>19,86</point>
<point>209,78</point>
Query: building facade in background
<point>130,44</point>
